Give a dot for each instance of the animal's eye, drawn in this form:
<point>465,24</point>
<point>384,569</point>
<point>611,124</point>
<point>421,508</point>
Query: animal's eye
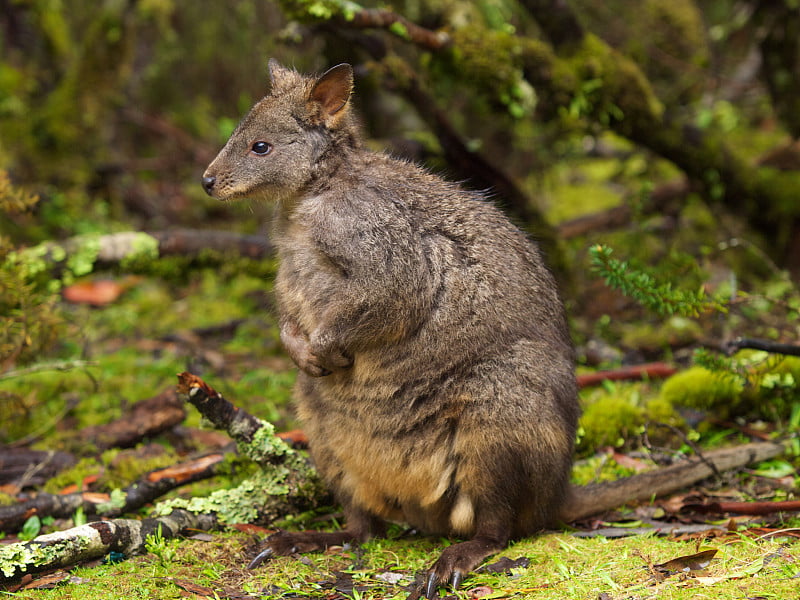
<point>261,148</point>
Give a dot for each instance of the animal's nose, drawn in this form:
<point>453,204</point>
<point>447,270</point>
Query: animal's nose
<point>208,184</point>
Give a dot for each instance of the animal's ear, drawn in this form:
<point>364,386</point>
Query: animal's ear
<point>331,93</point>
<point>279,75</point>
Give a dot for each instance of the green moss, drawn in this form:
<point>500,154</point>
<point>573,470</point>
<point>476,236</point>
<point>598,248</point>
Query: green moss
<point>237,505</point>
<point>609,421</point>
<point>74,475</point>
<point>491,60</point>
<point>700,388</point>
<point>319,10</point>
<point>660,410</point>
<point>597,468</point>
<point>612,89</point>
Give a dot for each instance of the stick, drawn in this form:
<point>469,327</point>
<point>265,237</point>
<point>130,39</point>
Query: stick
<point>593,499</point>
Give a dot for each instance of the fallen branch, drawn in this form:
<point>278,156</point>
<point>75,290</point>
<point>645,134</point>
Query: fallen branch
<point>743,508</point>
<point>646,371</point>
<point>767,346</point>
<point>597,498</point>
<point>93,540</point>
<point>149,487</point>
<point>285,484</point>
<point>146,418</point>
<point>103,251</point>
<point>22,467</point>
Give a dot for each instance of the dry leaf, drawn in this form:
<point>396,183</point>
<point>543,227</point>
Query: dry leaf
<point>96,293</point>
<point>684,564</point>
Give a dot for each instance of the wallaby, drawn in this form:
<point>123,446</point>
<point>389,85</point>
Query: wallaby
<point>436,380</point>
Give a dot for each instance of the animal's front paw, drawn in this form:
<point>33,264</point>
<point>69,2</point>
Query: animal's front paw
<point>326,350</point>
<point>297,345</point>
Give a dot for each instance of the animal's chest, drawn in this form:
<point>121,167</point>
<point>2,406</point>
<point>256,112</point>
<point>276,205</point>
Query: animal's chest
<point>307,278</point>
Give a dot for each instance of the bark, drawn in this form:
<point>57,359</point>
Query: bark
<point>399,25</point>
<point>286,484</point>
<point>93,540</point>
<point>240,425</point>
<point>766,345</point>
<point>598,498</point>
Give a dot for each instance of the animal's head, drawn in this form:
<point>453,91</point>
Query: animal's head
<point>281,144</point>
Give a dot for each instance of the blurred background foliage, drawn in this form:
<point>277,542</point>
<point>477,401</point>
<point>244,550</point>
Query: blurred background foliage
<point>666,129</point>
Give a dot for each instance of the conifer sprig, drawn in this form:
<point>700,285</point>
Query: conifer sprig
<point>659,297</point>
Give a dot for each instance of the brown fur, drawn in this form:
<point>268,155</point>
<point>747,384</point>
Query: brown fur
<point>436,383</point>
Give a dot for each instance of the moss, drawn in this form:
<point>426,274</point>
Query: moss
<point>660,410</point>
<point>703,389</point>
<point>123,468</point>
<point>238,505</point>
<point>660,28</point>
<point>73,476</point>
<point>623,96</point>
<point>491,60</point>
<point>600,467</point>
<point>319,10</point>
<point>609,421</point>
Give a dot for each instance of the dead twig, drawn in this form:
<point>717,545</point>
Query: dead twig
<point>655,370</point>
<point>767,346</point>
<point>743,508</point>
<point>398,25</point>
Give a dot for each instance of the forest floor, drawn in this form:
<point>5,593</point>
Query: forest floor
<point>222,328</point>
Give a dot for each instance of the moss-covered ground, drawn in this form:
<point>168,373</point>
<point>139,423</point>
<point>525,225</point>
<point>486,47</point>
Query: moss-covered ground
<point>559,566</point>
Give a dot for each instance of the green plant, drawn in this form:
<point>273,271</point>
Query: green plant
<point>166,550</point>
<point>642,286</point>
<point>29,321</point>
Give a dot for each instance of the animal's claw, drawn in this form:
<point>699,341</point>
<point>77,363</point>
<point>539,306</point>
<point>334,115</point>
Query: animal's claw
<point>261,557</point>
<point>455,579</point>
<point>431,588</point>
